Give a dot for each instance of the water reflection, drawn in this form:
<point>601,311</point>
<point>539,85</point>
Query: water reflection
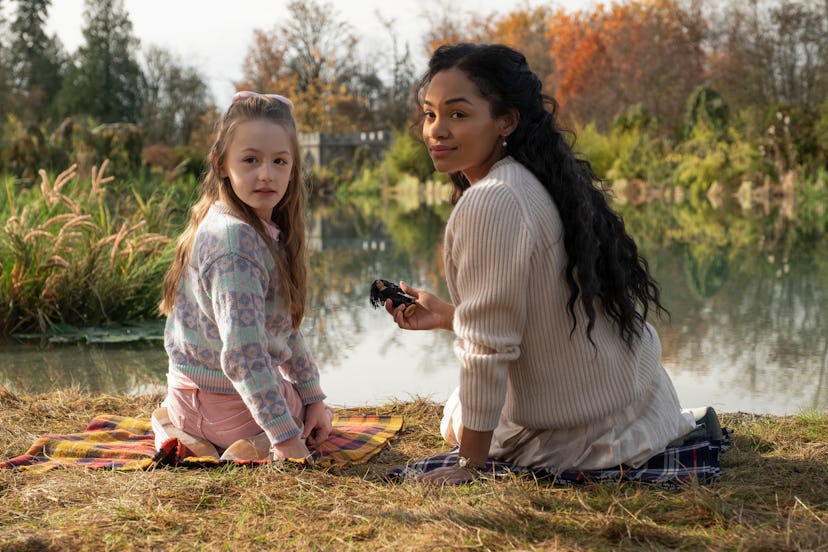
<point>37,367</point>
<point>747,291</point>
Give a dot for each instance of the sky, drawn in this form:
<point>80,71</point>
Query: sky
<point>216,35</point>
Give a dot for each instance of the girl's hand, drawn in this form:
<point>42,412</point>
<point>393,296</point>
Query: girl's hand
<point>292,448</point>
<point>431,311</point>
<point>317,423</point>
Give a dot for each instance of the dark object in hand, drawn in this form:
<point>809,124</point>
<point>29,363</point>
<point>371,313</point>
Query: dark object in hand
<point>382,290</point>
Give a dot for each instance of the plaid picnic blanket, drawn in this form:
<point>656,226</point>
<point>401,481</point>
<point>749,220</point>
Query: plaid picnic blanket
<point>694,460</point>
<point>127,444</point>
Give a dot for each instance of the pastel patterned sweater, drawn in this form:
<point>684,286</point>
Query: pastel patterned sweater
<point>505,262</point>
<point>230,331</point>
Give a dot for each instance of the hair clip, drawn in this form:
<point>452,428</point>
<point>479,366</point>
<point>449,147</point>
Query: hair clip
<point>243,94</point>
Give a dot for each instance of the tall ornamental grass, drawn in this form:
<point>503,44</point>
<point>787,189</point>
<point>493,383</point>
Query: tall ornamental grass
<point>71,253</point>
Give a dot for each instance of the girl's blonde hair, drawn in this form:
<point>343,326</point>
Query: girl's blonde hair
<point>288,215</point>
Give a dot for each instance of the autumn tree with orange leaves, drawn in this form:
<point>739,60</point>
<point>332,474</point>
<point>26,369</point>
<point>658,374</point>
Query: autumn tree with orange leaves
<point>600,63</point>
<point>647,53</point>
<point>525,30</point>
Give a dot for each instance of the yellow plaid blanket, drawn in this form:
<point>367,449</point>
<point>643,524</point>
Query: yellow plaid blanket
<point>124,444</point>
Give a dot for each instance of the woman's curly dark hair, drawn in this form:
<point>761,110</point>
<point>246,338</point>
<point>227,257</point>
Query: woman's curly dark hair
<point>603,260</point>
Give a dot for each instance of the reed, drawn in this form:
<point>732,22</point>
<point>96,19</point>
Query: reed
<point>72,252</point>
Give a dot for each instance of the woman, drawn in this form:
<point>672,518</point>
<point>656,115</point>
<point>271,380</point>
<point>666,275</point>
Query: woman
<point>558,365</point>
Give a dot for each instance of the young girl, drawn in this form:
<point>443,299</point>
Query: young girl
<point>558,366</point>
<point>241,383</point>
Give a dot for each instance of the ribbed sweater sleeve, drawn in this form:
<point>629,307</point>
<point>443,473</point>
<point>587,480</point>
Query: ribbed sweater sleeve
<point>490,247</point>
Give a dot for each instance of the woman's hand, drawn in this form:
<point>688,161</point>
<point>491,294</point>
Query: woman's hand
<point>450,475</point>
<point>474,449</point>
<point>431,311</point>
<point>317,423</point>
<point>292,448</point>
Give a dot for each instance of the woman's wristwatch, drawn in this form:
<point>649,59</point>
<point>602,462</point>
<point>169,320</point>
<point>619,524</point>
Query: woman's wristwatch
<point>466,463</point>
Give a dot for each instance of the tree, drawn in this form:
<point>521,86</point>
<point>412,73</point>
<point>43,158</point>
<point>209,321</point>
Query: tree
<point>35,61</point>
<point>395,104</point>
<point>646,52</point>
<point>175,96</point>
<point>265,64</point>
<point>764,53</point>
<point>311,59</point>
<point>104,79</point>
<point>525,30</point>
<point>443,25</point>
<point>4,71</point>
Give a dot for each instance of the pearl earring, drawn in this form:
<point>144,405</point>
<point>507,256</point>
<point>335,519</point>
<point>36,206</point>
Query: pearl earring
<point>504,143</point>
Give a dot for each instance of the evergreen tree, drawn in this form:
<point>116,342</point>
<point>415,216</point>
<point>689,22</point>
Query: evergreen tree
<point>104,79</point>
<point>35,60</point>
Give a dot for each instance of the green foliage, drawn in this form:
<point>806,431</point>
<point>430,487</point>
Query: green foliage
<point>406,158</point>
<point>103,79</point>
<point>366,183</point>
<point>599,149</point>
<point>121,143</point>
<point>629,159</point>
<point>69,254</point>
<point>407,155</point>
<point>31,147</point>
<point>28,149</point>
<point>709,151</point>
<point>709,155</point>
<point>821,130</point>
<point>812,214</point>
<point>35,61</point>
<point>327,182</point>
<point>706,106</point>
<point>643,148</point>
<point>801,130</point>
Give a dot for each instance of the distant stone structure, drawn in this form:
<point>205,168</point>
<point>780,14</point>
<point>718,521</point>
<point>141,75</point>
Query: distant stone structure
<point>321,149</point>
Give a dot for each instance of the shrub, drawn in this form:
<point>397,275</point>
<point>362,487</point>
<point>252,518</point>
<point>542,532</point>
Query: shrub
<point>407,155</point>
<point>66,258</point>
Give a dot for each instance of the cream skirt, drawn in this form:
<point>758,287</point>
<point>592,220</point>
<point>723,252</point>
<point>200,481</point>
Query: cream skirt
<point>629,437</point>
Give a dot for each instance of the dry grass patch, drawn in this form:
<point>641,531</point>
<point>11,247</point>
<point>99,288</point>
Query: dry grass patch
<point>772,497</point>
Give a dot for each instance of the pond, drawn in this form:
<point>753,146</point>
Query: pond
<point>747,291</point>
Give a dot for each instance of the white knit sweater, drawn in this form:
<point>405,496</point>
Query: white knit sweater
<point>505,262</point>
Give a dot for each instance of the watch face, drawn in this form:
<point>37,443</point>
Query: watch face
<point>462,462</point>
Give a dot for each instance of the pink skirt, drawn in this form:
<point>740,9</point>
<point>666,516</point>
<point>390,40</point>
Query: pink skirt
<point>221,418</point>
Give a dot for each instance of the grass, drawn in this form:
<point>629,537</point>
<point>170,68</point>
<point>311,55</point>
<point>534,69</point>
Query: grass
<point>773,496</point>
<point>73,251</point>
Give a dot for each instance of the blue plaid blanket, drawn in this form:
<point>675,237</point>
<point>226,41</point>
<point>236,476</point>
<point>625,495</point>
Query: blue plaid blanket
<point>695,460</point>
